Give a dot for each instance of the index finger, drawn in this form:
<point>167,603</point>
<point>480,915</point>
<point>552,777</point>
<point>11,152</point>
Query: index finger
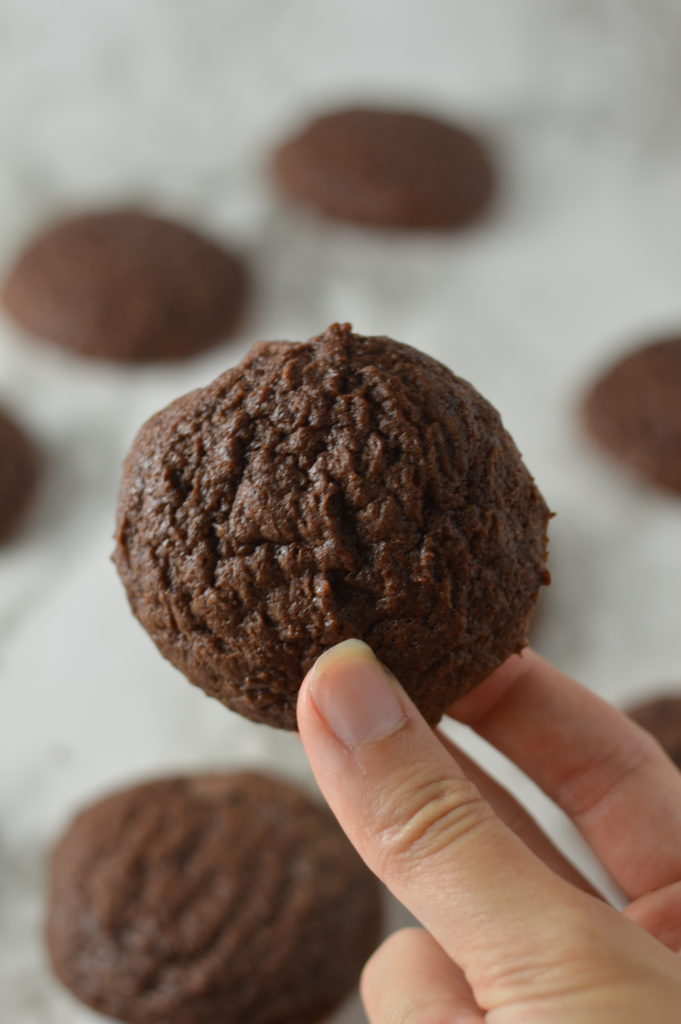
<point>606,773</point>
<point>422,826</point>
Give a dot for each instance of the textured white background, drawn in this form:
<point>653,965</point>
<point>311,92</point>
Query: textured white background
<point>178,104</point>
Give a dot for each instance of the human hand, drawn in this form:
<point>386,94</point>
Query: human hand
<point>512,934</point>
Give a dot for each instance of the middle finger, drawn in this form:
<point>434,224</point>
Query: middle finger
<point>604,771</point>
<point>515,817</point>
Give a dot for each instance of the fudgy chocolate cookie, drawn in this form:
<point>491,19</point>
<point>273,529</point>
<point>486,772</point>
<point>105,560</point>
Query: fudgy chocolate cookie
<point>128,286</point>
<point>346,487</point>
<point>662,717</point>
<point>18,475</point>
<point>387,168</point>
<point>634,411</point>
<point>220,898</point>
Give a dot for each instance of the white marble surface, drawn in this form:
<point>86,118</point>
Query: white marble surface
<point>177,104</point>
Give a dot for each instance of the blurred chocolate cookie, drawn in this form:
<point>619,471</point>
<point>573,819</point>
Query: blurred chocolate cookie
<point>662,718</point>
<point>18,475</point>
<point>127,286</point>
<point>634,411</point>
<point>346,487</point>
<point>388,168</point>
<point>227,898</point>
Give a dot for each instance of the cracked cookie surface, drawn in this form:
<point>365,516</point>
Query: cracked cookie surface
<point>346,487</point>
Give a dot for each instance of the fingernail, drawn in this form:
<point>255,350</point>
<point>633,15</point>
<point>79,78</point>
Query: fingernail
<point>355,695</point>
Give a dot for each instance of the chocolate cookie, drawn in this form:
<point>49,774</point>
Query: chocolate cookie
<point>347,487</point>
<point>662,717</point>
<point>18,475</point>
<point>126,286</point>
<point>634,411</point>
<point>220,898</point>
<point>387,168</point>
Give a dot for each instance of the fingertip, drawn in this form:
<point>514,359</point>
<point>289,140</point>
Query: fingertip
<point>359,701</point>
<point>307,715</point>
<point>302,704</point>
<point>410,977</point>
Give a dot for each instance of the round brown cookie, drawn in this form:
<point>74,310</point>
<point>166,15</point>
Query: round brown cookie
<point>662,717</point>
<point>18,475</point>
<point>127,286</point>
<point>387,168</point>
<point>634,411</point>
<point>346,487</point>
<point>229,898</point>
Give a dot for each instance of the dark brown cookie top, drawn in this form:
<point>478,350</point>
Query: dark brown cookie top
<point>634,411</point>
<point>230,898</point>
<point>388,168</point>
<point>18,475</point>
<point>346,487</point>
<point>126,286</point>
<point>661,716</point>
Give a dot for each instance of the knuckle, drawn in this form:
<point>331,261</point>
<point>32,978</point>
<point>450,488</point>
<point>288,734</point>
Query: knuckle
<point>424,816</point>
<point>570,951</point>
<point>589,785</point>
<point>379,960</point>
<point>387,985</point>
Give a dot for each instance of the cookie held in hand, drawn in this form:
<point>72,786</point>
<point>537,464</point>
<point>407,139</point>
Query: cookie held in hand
<point>347,487</point>
<point>127,286</point>
<point>215,898</point>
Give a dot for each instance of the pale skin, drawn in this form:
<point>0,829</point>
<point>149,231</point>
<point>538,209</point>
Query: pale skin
<point>511,933</point>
